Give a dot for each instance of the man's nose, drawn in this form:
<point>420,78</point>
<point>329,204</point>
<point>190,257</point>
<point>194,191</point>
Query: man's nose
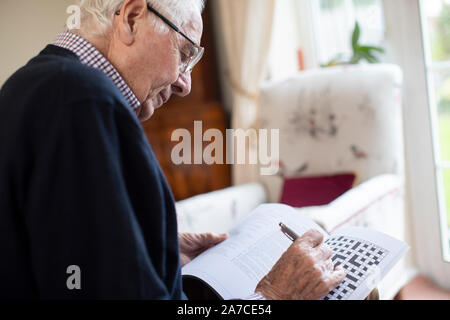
<point>182,87</point>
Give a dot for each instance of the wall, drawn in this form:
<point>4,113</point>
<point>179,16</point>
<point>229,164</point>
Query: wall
<point>26,26</point>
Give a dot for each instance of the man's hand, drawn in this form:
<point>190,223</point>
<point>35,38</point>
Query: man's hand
<point>191,245</point>
<point>304,272</point>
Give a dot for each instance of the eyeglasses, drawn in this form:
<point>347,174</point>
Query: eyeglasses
<point>189,57</point>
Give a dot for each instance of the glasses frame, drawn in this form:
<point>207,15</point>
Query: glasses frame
<point>193,60</point>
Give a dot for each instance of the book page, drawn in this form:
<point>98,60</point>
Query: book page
<point>367,256</point>
<point>235,267</point>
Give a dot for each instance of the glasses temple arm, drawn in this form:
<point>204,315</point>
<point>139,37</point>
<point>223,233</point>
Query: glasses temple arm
<point>173,26</point>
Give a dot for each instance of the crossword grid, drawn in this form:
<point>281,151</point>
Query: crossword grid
<point>356,256</point>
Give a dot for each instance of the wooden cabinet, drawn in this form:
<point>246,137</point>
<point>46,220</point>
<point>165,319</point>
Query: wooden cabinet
<point>203,104</point>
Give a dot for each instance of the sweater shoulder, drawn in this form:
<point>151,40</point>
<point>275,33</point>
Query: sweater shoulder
<point>61,76</point>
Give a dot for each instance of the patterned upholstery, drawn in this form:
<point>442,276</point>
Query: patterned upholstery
<point>341,119</point>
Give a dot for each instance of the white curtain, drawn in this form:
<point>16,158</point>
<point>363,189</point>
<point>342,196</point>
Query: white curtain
<point>246,27</point>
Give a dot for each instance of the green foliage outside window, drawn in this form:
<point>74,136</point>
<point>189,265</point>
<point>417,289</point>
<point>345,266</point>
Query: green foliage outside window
<point>441,36</point>
<point>333,4</point>
<point>440,47</point>
<point>330,4</point>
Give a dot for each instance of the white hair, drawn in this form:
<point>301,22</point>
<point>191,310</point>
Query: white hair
<point>97,15</point>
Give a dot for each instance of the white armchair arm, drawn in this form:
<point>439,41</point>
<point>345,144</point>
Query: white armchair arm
<point>219,211</point>
<point>376,203</point>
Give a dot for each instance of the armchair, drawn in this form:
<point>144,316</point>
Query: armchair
<point>339,120</point>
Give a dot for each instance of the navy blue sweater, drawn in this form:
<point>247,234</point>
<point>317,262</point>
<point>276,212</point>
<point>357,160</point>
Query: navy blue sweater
<point>80,185</point>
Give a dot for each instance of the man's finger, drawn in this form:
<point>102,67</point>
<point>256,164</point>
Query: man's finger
<point>337,276</point>
<point>310,284</point>
<point>322,252</point>
<point>312,238</point>
<point>326,266</point>
<point>333,280</point>
<point>330,265</point>
<point>212,239</point>
<point>219,238</point>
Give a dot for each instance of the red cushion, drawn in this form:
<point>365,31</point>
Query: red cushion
<point>315,191</point>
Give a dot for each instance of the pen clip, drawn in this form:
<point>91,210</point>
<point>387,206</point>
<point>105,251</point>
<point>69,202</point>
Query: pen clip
<point>289,236</point>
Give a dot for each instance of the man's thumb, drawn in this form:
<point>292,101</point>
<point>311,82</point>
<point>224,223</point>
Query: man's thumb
<point>212,238</point>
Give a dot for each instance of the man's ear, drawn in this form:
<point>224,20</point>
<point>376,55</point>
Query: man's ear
<point>131,13</point>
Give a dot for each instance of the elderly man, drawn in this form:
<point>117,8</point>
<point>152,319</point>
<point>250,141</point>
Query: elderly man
<point>85,211</point>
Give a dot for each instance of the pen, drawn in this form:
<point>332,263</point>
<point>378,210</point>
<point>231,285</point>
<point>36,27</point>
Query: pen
<point>288,232</point>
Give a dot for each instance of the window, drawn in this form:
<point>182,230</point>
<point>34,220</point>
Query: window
<point>436,32</point>
<point>282,59</point>
<point>321,29</point>
<point>334,21</point>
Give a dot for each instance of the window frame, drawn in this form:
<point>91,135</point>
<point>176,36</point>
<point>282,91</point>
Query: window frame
<point>405,40</point>
<point>440,164</point>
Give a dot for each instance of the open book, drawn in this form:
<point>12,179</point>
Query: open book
<point>233,268</point>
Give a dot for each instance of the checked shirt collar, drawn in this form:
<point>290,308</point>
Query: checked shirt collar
<point>91,57</point>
